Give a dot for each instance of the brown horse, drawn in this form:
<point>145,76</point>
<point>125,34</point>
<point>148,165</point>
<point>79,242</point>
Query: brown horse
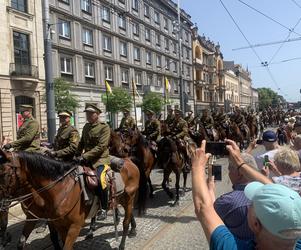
<point>50,190</point>
<point>252,125</point>
<point>237,135</point>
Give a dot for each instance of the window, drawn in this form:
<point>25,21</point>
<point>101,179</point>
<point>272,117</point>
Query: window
<point>188,71</point>
<point>64,29</point>
<point>146,10</point>
<point>148,57</point>
<point>158,40</point>
<point>186,36</point>
<point>89,70</point>
<point>66,65</point>
<point>159,81</point>
<point>108,72</point>
<point>21,49</point>
<point>65,1</point>
<point>107,43</point>
<point>157,17</point>
<point>149,80</point>
<point>138,78</point>
<point>87,37</point>
<point>20,5</point>
<point>106,14</point>
<point>123,49</point>
<point>136,29</point>
<point>124,75</point>
<point>176,87</point>
<point>135,4</point>
<point>175,69</point>
<point>122,22</point>
<point>165,23</point>
<point>166,41</point>
<point>122,1</point>
<point>136,54</point>
<point>167,66</point>
<point>174,44</point>
<point>187,54</point>
<point>87,6</point>
<point>147,34</point>
<point>159,61</point>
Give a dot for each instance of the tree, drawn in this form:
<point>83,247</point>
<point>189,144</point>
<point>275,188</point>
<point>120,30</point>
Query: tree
<point>64,98</point>
<point>267,97</point>
<point>153,101</point>
<point>118,100</point>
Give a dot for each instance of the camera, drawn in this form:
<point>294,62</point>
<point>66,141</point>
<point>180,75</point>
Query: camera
<point>216,148</point>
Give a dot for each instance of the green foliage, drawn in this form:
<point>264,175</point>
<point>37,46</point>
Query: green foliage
<point>153,101</point>
<point>268,97</point>
<point>64,98</point>
<point>118,100</point>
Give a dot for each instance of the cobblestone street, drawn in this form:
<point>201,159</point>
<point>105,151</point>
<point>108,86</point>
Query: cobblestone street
<point>162,227</point>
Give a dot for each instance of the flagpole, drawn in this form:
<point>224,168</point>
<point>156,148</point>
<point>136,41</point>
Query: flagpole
<point>107,107</point>
<point>134,100</point>
<point>165,100</point>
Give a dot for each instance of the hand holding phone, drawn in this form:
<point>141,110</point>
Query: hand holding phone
<point>216,148</point>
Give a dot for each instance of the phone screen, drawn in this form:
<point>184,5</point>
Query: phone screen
<point>216,148</point>
<point>217,172</point>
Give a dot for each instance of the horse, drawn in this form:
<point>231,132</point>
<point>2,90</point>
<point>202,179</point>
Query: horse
<point>171,161</point>
<point>253,128</point>
<point>237,135</point>
<point>48,189</point>
<point>142,155</point>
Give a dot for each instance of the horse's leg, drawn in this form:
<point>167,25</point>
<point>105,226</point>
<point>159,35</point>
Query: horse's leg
<point>92,228</point>
<point>133,232</point>
<point>167,173</point>
<point>151,190</point>
<point>5,237</point>
<point>185,181</point>
<point>176,202</point>
<point>71,236</point>
<point>126,222</point>
<point>27,229</point>
<point>54,237</point>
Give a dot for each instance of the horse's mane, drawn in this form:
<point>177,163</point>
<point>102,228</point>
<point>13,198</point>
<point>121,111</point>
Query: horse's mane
<point>43,166</point>
<point>142,140</point>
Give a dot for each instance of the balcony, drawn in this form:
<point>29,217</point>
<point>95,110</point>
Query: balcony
<point>23,70</point>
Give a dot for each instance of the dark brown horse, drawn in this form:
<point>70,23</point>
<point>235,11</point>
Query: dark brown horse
<point>237,135</point>
<point>50,190</point>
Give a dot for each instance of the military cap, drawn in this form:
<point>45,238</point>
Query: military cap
<point>178,111</point>
<point>25,107</point>
<point>90,107</point>
<point>125,110</point>
<point>149,111</point>
<point>65,113</point>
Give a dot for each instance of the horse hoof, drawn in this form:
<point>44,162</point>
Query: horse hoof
<point>89,235</point>
<point>175,204</point>
<point>132,233</point>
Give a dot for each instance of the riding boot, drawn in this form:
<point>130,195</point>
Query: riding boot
<point>103,196</point>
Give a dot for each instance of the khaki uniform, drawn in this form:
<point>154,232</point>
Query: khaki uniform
<point>170,119</point>
<point>239,119</point>
<point>28,136</point>
<point>152,130</point>
<point>179,128</point>
<point>66,142</point>
<point>190,121</point>
<point>95,142</point>
<point>127,123</point>
<point>207,121</point>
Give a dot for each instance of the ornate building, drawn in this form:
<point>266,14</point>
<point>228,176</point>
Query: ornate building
<point>208,73</point>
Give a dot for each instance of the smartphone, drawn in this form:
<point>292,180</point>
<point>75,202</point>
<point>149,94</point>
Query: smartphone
<point>259,142</point>
<point>216,148</point>
<point>217,172</point>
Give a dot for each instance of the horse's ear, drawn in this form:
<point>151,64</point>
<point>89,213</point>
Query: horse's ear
<point>3,157</point>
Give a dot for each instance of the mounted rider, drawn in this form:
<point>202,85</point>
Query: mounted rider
<point>190,120</point>
<point>66,140</point>
<point>170,117</point>
<point>127,123</point>
<point>152,129</point>
<point>208,122</point>
<point>240,120</point>
<point>28,136</point>
<point>93,150</point>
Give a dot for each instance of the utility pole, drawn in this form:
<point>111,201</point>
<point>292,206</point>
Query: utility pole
<point>182,87</point>
<point>50,101</point>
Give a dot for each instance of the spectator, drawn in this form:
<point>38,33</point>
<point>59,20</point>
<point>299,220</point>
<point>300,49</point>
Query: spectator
<point>297,127</point>
<point>286,168</point>
<point>297,146</point>
<point>232,207</point>
<point>274,216</point>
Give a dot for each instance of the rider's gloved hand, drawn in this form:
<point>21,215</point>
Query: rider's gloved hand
<point>7,146</point>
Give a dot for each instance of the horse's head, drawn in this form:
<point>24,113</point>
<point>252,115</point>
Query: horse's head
<point>117,145</point>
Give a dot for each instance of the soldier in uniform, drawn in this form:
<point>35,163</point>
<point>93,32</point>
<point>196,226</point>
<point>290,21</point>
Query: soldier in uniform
<point>127,122</point>
<point>152,129</point>
<point>207,120</point>
<point>170,117</point>
<point>240,119</point>
<point>190,120</point>
<point>28,136</point>
<point>67,138</point>
<point>93,149</point>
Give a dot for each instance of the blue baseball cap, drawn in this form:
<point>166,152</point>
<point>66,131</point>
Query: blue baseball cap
<point>277,207</point>
<point>269,136</point>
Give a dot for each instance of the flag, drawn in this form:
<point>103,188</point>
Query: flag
<point>167,85</point>
<point>135,91</point>
<point>108,87</point>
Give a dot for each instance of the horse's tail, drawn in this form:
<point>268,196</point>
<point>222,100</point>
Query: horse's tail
<point>142,191</point>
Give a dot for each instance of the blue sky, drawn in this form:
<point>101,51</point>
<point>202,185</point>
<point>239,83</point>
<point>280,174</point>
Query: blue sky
<point>213,20</point>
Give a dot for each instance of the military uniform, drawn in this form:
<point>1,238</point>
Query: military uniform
<point>152,130</point>
<point>239,119</point>
<point>190,121</point>
<point>207,121</point>
<point>179,128</point>
<point>170,119</point>
<point>66,142</point>
<point>127,123</point>
<point>28,136</point>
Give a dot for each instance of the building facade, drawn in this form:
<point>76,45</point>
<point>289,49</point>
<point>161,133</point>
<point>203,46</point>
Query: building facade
<point>119,41</point>
<point>208,73</point>
<point>232,90</point>
<point>22,77</point>
<point>255,99</point>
